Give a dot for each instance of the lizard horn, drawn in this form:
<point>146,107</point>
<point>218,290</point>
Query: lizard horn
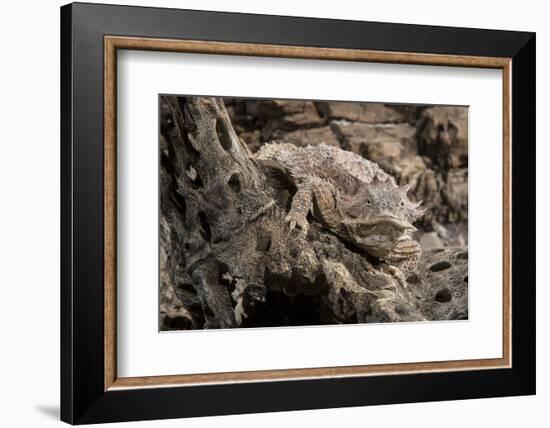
<point>405,188</point>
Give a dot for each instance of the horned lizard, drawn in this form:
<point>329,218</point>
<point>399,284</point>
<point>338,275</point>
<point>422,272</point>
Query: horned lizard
<point>350,196</point>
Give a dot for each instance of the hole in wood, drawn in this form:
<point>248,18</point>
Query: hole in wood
<point>224,137</point>
<point>205,231</point>
<point>235,183</point>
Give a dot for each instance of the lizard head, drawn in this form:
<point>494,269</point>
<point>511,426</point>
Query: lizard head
<point>378,215</point>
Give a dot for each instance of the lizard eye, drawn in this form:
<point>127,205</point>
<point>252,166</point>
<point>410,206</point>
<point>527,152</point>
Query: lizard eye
<point>402,203</point>
<point>368,201</point>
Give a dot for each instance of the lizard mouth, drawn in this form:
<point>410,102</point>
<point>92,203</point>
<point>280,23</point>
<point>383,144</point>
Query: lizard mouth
<point>382,226</point>
<point>380,234</point>
<point>390,221</point>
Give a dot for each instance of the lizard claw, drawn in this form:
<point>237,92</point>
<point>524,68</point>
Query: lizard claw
<point>296,221</point>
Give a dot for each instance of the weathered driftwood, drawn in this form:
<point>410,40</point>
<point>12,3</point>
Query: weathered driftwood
<point>231,260</point>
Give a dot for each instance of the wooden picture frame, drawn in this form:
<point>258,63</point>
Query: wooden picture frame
<point>91,390</point>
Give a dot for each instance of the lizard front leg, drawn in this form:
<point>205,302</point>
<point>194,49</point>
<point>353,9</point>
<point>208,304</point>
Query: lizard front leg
<point>405,255</point>
<point>299,208</point>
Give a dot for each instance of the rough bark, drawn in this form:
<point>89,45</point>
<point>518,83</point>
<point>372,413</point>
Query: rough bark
<point>228,255</point>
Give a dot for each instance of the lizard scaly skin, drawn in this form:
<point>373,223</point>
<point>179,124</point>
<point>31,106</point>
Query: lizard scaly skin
<point>350,196</point>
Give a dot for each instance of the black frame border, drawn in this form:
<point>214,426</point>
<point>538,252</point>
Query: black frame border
<point>83,399</point>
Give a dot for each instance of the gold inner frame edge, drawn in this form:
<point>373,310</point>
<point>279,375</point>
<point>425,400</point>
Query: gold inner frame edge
<point>113,43</point>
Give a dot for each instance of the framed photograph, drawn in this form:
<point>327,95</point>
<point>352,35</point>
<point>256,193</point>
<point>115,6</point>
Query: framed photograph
<point>266,213</point>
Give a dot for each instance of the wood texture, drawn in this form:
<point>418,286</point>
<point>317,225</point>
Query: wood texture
<point>114,43</point>
<point>507,213</point>
<point>295,374</point>
<point>110,234</point>
<point>264,50</point>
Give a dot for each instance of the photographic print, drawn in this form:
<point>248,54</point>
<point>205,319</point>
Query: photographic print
<point>279,213</point>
